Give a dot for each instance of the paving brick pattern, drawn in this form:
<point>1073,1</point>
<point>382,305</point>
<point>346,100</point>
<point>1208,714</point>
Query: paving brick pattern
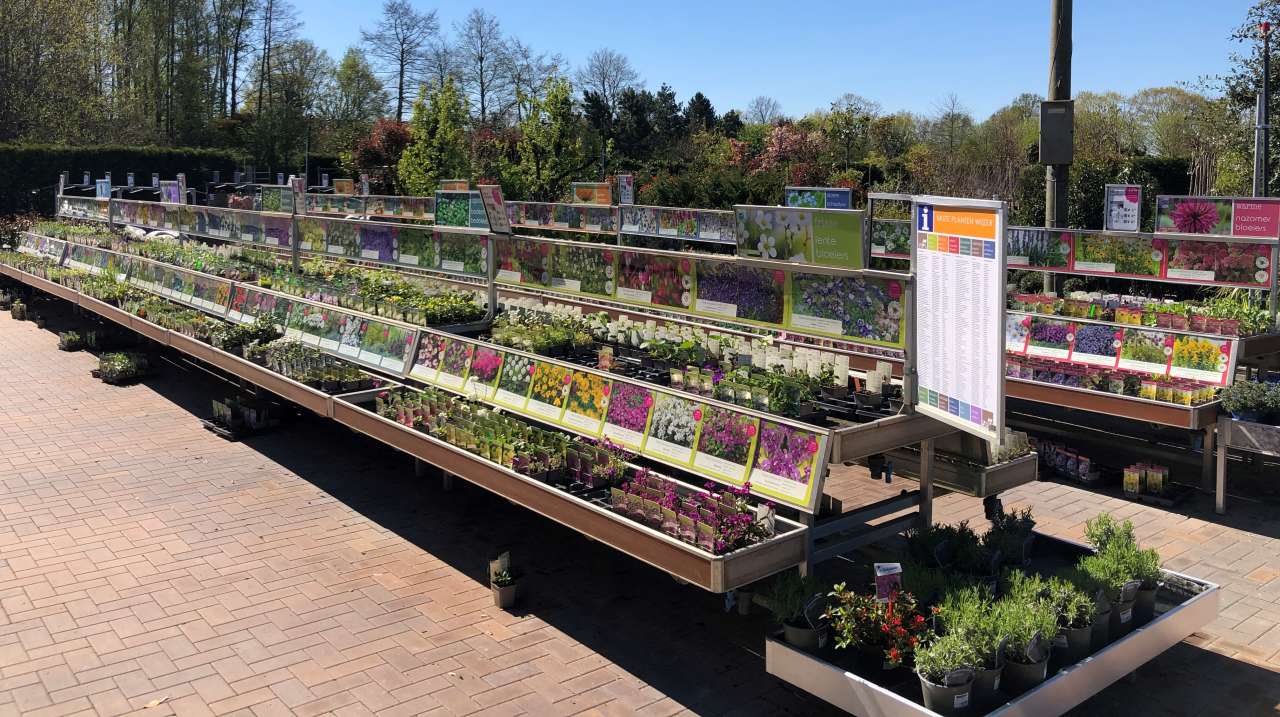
<point>144,561</point>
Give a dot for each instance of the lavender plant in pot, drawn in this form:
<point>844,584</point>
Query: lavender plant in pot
<point>1075,611</point>
<point>946,667</point>
<point>788,598</point>
<point>1026,625</point>
<point>969,612</point>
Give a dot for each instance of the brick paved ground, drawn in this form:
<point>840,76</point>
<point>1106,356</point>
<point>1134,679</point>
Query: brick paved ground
<point>308,572</point>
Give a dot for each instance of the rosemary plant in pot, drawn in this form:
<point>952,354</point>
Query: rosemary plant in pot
<point>969,612</point>
<point>789,597</point>
<point>1026,626</point>
<point>945,667</point>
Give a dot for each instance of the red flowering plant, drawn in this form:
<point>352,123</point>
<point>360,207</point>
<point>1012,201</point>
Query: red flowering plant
<point>892,629</point>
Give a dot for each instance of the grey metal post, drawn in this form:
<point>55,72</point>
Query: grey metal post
<point>1265,116</point>
<point>926,483</point>
<point>1057,176</point>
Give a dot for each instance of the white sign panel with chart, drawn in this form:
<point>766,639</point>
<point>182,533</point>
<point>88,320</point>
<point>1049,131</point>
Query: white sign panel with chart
<point>959,253</point>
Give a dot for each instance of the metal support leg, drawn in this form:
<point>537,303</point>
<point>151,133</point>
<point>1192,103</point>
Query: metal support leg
<point>1220,484</point>
<point>926,483</point>
<point>446,481</point>
<point>419,468</point>
<point>806,568</point>
<point>1206,456</point>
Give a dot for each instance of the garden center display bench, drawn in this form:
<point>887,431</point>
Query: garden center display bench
<point>1260,438</point>
<point>1184,605</point>
<point>587,512</point>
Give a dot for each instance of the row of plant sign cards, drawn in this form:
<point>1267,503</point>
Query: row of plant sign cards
<point>1225,256</point>
<point>1175,354</point>
<point>861,309</point>
<point>372,206</point>
<point>781,461</point>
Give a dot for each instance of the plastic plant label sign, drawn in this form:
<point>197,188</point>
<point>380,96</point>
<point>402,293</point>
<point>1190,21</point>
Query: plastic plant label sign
<point>813,611</point>
<point>1037,648</point>
<point>1126,616</point>
<point>960,701</point>
<point>888,580</point>
<point>959,677</point>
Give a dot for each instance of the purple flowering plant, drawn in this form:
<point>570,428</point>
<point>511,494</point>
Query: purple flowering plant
<point>758,293</point>
<point>785,451</point>
<point>726,434</point>
<point>629,407</point>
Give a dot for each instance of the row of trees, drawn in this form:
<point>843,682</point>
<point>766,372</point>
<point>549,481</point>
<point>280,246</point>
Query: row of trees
<point>485,105</point>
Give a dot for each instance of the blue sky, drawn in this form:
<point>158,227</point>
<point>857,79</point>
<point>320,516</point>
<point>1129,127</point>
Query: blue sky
<point>904,55</point>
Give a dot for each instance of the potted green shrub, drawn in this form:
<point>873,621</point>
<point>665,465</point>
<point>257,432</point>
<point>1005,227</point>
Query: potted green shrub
<point>1027,627</point>
<point>1110,569</point>
<point>968,611</point>
<point>1011,534</point>
<point>1245,400</point>
<point>1074,609</point>
<point>18,310</point>
<point>945,667</point>
<point>790,594</point>
<point>1146,570</point>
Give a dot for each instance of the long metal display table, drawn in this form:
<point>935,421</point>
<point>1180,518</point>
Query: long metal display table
<point>716,573</point>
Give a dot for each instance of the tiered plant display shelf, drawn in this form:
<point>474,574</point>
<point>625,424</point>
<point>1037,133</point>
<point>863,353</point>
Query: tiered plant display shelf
<point>241,303</point>
<point>814,298</point>
<point>1184,605</point>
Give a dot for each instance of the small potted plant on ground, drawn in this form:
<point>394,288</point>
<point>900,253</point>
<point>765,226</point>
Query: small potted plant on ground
<point>503,584</point>
<point>18,310</point>
<point>945,667</point>
<point>70,341</point>
<point>791,598</point>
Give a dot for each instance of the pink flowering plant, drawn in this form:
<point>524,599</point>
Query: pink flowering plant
<point>485,365</point>
<point>1194,215</point>
<point>430,349</point>
<point>456,356</point>
<point>786,452</point>
<point>727,434</point>
<point>629,407</point>
<point>668,280</point>
<point>1230,262</point>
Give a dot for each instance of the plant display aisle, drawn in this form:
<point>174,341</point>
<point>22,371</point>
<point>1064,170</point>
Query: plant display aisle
<point>645,397</point>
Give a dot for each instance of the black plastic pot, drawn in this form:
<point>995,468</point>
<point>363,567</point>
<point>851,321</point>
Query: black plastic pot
<point>1020,677</point>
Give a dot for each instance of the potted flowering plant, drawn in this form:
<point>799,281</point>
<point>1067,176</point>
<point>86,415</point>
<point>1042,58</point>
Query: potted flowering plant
<point>886,634</point>
<point>503,585</point>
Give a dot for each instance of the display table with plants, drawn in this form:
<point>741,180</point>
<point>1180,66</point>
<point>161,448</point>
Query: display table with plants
<point>1253,426</point>
<point>718,540</point>
<point>986,623</point>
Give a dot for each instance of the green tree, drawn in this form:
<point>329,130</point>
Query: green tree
<point>355,99</point>
<point>551,149</point>
<point>438,148</point>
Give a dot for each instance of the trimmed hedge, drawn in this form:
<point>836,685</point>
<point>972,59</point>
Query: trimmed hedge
<point>24,168</point>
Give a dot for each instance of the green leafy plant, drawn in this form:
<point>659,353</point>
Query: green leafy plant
<point>1104,531</point>
<point>503,578</point>
<point>1244,396</point>
<point>789,595</point>
<point>968,611</point>
<point>1022,622</point>
<point>941,656</point>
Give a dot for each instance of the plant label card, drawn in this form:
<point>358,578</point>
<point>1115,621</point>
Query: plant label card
<point>574,285</point>
<point>1146,352</point>
<point>583,424</point>
<point>639,296</point>
<point>369,254</point>
<point>409,259</point>
<point>328,344</point>
<point>1017,328</point>
<point>720,468</point>
<point>888,580</point>
<point>510,399</point>
<point>449,381</point>
<point>719,308</point>
<point>334,249</point>
<point>543,410</point>
<point>633,440</point>
<point>1050,339</point>
<point>509,275</point>
<point>815,323</point>
<point>452,265</point>
<point>667,451</point>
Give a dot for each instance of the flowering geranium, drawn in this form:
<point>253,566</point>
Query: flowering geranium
<point>485,365</point>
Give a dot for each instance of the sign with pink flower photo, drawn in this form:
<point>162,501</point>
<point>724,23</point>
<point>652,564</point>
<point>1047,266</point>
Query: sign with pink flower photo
<point>1194,215</point>
<point>786,461</point>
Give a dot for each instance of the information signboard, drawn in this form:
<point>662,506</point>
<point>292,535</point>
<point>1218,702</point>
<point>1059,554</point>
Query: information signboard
<point>819,197</point>
<point>1124,208</point>
<point>959,251</point>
